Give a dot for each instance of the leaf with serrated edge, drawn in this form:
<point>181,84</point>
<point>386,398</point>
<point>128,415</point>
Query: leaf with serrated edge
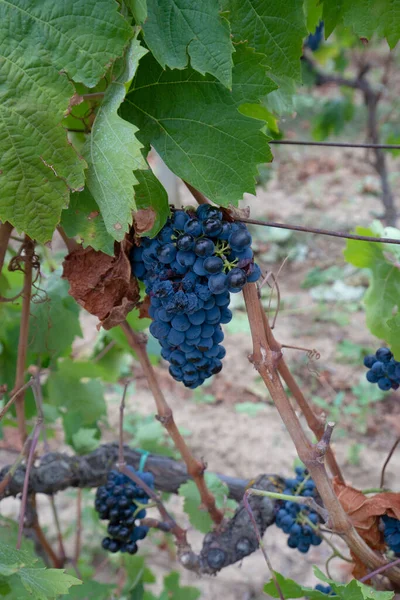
<point>382,296</point>
<point>113,152</point>
<point>139,10</point>
<point>193,123</point>
<point>12,560</point>
<point>150,193</point>
<point>82,219</point>
<point>38,42</point>
<point>46,584</point>
<point>275,29</point>
<point>182,29</point>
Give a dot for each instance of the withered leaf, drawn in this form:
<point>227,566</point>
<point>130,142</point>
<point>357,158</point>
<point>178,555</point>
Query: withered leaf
<point>144,308</point>
<point>102,284</point>
<point>144,219</point>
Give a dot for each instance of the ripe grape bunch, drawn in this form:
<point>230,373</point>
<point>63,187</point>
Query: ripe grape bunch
<point>298,520</point>
<point>120,501</point>
<point>189,271</point>
<point>392,533</point>
<point>383,369</point>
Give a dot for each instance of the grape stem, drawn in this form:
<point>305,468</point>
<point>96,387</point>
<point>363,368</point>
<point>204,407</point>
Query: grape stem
<point>266,358</point>
<point>385,464</point>
<point>165,415</point>
<point>307,500</point>
<point>318,531</point>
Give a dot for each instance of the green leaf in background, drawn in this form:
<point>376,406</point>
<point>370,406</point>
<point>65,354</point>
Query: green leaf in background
<point>187,29</point>
<point>45,584</point>
<point>113,152</point>
<point>173,590</point>
<point>193,123</point>
<point>55,318</point>
<point>82,219</point>
<point>90,589</point>
<point>275,29</point>
<point>85,440</point>
<point>313,12</point>
<point>365,17</point>
<point>138,9</point>
<point>150,193</point>
<point>382,298</point>
<point>332,118</point>
<point>198,517</point>
<point>354,590</point>
<point>79,399</point>
<point>12,560</point>
<point>281,101</point>
<point>39,41</point>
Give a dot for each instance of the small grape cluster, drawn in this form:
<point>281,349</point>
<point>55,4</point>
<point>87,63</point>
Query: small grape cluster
<point>189,270</point>
<point>383,369</point>
<point>325,589</point>
<point>120,501</point>
<point>294,518</point>
<point>392,533</point>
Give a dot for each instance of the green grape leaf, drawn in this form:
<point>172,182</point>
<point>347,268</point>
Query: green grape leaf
<point>90,589</point>
<point>85,440</point>
<point>79,399</point>
<point>182,29</point>
<point>313,11</point>
<point>193,123</point>
<point>139,10</point>
<point>113,152</point>
<point>12,560</point>
<point>354,590</point>
<point>38,43</point>
<point>173,589</point>
<point>55,318</point>
<point>365,17</point>
<point>251,81</point>
<point>198,517</point>
<point>150,193</point>
<point>280,102</point>
<point>382,297</point>
<point>46,584</point>
<point>271,28</point>
<point>333,117</point>
<point>82,219</point>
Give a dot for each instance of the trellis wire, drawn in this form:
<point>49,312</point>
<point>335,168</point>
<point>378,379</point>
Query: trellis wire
<point>337,144</point>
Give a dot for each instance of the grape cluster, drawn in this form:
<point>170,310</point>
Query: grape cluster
<point>392,533</point>
<point>383,369</point>
<point>115,501</point>
<point>294,518</point>
<point>189,270</point>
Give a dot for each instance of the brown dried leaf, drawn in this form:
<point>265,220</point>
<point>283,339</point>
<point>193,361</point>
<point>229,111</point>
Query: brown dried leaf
<point>102,284</point>
<point>144,219</point>
<point>144,308</point>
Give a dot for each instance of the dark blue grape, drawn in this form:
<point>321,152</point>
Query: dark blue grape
<point>204,248</point>
<point>185,242</point>
<point>193,227</point>
<point>236,279</point>
<point>212,227</point>
<point>384,384</point>
<point>213,264</point>
<point>240,239</point>
<point>369,360</point>
<point>383,355</point>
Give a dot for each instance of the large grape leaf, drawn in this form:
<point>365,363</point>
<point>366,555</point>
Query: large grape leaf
<point>382,299</point>
<point>276,29</point>
<point>82,219</point>
<point>365,17</point>
<point>39,41</point>
<point>193,123</point>
<point>181,29</point>
<point>113,152</point>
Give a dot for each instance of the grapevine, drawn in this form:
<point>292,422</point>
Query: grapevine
<point>197,260</point>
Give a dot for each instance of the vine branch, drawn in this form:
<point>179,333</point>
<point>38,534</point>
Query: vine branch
<point>266,360</point>
<point>5,233</point>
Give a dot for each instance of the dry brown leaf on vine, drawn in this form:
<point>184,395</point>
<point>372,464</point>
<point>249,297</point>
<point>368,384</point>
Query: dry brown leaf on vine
<point>102,284</point>
<point>144,308</point>
<point>144,220</point>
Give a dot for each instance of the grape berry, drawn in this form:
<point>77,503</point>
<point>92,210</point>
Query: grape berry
<point>392,533</point>
<point>383,369</point>
<point>294,519</point>
<point>115,501</point>
<point>190,269</point>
